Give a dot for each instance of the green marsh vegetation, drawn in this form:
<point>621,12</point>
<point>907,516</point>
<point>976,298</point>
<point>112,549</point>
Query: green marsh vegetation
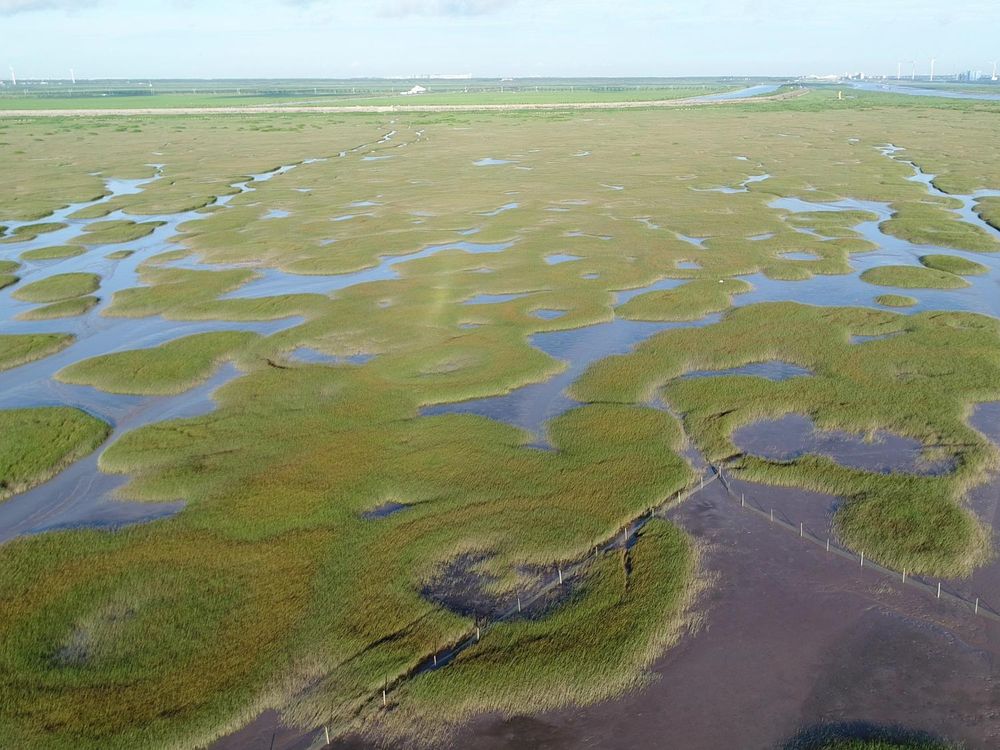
<point>21,348</point>
<point>57,252</point>
<point>68,308</point>
<point>58,288</point>
<point>896,300</point>
<point>270,590</point>
<point>37,443</point>
<point>112,232</point>
<point>163,370</point>
<point>954,264</point>
<point>31,231</point>
<point>913,277</point>
<point>920,384</point>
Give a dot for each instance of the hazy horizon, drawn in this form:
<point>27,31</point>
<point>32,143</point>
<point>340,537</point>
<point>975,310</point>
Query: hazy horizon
<point>325,39</point>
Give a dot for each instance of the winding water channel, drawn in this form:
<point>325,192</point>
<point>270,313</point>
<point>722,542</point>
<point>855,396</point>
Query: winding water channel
<point>82,495</point>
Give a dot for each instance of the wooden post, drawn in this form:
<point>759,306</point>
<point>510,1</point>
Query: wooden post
<point>385,699</point>
<point>977,605</point>
<point>743,500</point>
<point>904,575</point>
<point>862,558</point>
<point>478,633</point>
<point>801,530</point>
<point>519,604</point>
<point>828,544</point>
<point>939,590</point>
<point>560,576</point>
<point>435,660</point>
<point>326,733</point>
<point>772,515</point>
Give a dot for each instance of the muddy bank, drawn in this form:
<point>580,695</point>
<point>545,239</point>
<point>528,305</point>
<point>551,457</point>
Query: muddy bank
<point>794,638</point>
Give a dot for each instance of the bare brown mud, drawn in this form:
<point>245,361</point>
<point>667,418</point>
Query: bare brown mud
<point>794,637</point>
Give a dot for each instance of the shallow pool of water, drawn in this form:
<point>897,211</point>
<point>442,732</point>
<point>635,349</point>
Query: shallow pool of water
<point>795,435</point>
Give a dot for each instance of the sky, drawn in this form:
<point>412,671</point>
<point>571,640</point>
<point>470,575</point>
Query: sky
<point>491,38</point>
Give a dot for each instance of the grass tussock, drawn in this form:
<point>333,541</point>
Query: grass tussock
<point>913,277</point>
<point>66,309</point>
<point>59,287</point>
<point>164,370</point>
<point>19,349</point>
<point>896,300</point>
<point>56,252</point>
<point>954,264</point>
<point>37,443</point>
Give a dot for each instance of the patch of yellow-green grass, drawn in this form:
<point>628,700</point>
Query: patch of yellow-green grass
<point>31,231</point>
<point>6,279</point>
<point>66,309</point>
<point>896,300</point>
<point>913,277</point>
<point>116,231</point>
<point>59,287</point>
<point>625,611</point>
<point>55,252</point>
<point>954,264</point>
<point>163,370</point>
<point>8,266</point>
<point>690,301</point>
<point>925,223</point>
<point>19,349</point>
<point>919,384</point>
<point>119,254</point>
<point>275,482</point>
<point>170,289</point>
<point>36,444</point>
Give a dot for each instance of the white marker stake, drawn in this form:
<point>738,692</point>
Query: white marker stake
<point>862,559</point>
<point>977,605</point>
<point>939,590</point>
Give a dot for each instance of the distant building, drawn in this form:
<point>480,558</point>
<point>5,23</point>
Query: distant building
<point>414,91</point>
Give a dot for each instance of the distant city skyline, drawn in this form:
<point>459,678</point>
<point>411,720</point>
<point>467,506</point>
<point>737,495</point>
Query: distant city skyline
<point>490,38</point>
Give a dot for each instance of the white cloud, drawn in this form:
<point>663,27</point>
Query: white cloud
<point>396,8</point>
<point>14,7</point>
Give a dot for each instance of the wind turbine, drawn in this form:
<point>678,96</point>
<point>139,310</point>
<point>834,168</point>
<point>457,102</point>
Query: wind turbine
<point>913,70</point>
<point>994,70</point>
<point>72,75</point>
<point>13,78</point>
<point>933,60</point>
<point>899,70</point>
